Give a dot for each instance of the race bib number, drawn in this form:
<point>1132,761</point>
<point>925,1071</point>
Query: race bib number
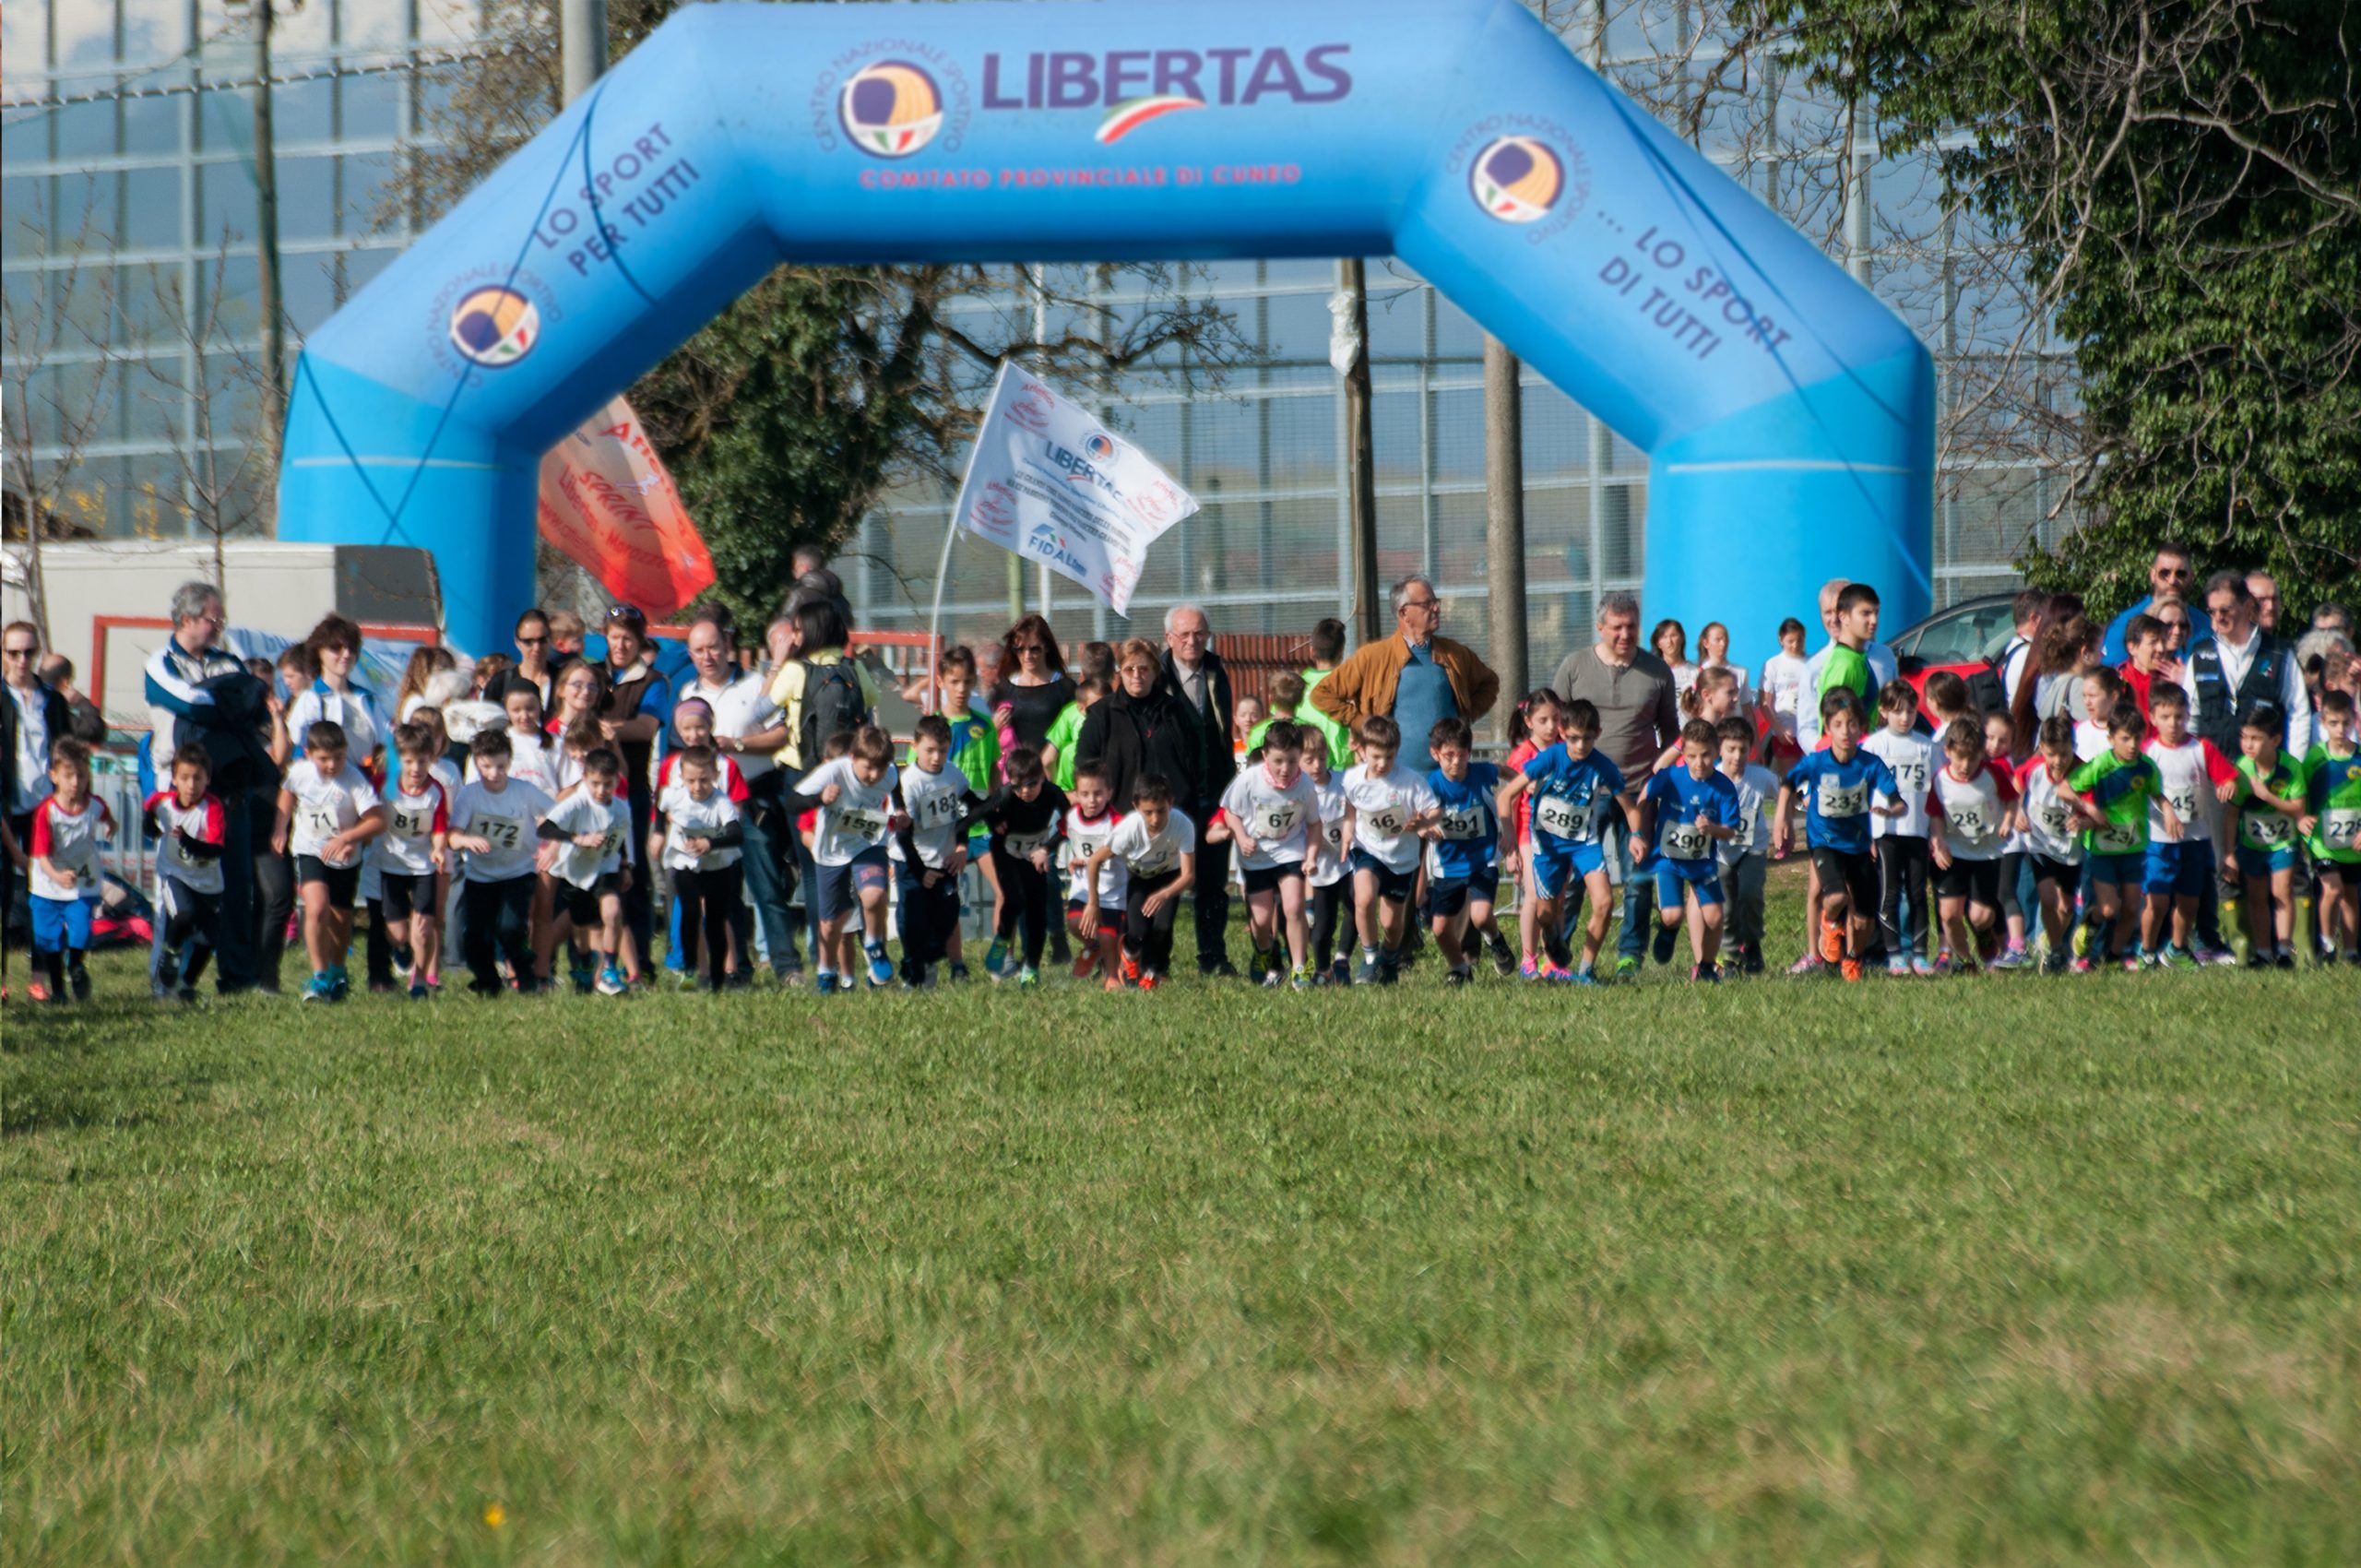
<point>2057,821</point>
<point>1386,820</point>
<point>1686,841</point>
<point>1469,824</point>
<point>1911,777</point>
<point>1022,844</point>
<point>937,810</point>
<point>2267,829</point>
<point>2184,803</point>
<point>1155,860</point>
<point>1837,800</point>
<point>2115,839</point>
<point>2340,827</point>
<point>500,833</point>
<point>412,824</point>
<point>866,826</point>
<point>319,824</point>
<point>1332,833</point>
<point>1278,822</point>
<point>1562,817</point>
<point>1968,824</point>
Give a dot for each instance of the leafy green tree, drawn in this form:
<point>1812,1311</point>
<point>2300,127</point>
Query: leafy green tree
<point>2185,176</point>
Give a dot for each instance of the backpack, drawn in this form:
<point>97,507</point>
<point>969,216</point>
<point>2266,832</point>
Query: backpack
<point>831,705</point>
<point>231,730</point>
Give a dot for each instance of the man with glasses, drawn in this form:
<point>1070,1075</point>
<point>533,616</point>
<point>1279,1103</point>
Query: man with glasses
<point>2239,667</point>
<point>1414,677</point>
<point>749,728</point>
<point>1196,672</point>
<point>638,697</point>
<point>2169,573</point>
<point>189,679</point>
<point>34,718</point>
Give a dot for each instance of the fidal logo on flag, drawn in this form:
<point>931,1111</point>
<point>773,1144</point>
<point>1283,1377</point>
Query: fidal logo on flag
<point>609,506</point>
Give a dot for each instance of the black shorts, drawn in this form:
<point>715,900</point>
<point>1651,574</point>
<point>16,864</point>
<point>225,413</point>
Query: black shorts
<point>406,892</point>
<point>582,903</point>
<point>1266,879</point>
<point>342,882</point>
<point>1392,885</point>
<point>2046,869</point>
<point>1978,882</point>
<point>1446,899</point>
<point>1856,874</point>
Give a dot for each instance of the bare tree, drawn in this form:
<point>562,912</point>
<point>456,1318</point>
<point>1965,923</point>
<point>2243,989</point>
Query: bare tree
<point>57,359</point>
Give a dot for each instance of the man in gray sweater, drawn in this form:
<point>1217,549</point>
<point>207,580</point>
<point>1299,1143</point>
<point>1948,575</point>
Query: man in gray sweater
<point>1638,717</point>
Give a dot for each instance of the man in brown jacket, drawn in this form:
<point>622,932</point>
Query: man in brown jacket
<point>1413,677</point>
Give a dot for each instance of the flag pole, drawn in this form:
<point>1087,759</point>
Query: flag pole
<point>950,535</point>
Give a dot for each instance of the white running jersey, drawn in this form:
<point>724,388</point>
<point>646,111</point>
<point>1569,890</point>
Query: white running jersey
<point>1971,810</point>
<point>1384,806</point>
<point>533,759</point>
<point>934,801</point>
<point>578,813</point>
<point>857,822</point>
<point>1085,838</point>
<point>2189,772</point>
<point>2051,822</point>
<point>1757,795</point>
<point>206,822</point>
<point>406,847</point>
<point>507,820</point>
<point>1329,868</point>
<point>687,818</point>
<point>69,842</point>
<point>326,806</point>
<point>1279,820</point>
<point>1147,854</point>
<point>1782,680</point>
<point>1912,760</point>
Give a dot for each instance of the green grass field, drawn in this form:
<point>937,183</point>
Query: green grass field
<point>2006,1271</point>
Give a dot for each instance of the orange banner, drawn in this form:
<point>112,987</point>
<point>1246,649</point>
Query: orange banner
<point>610,507</point>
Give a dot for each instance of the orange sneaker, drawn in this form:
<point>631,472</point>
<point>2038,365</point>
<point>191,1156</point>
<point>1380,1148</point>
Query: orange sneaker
<point>1832,942</point>
<point>1852,969</point>
<point>1085,959</point>
<point>1148,981</point>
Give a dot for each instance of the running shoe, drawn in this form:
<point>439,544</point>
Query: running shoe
<point>881,967</point>
<point>2014,956</point>
<point>826,984</point>
<point>1708,973</point>
<point>322,989</point>
<point>1898,967</point>
<point>1832,942</point>
<point>1272,978</point>
<point>612,982</point>
<point>2082,964</point>
<point>1627,969</point>
<point>1258,967</point>
<point>1852,969</point>
<point>1925,971</point>
<point>1532,971</point>
<point>1301,979</point>
<point>995,957</point>
<point>418,990</point>
<point>1130,970</point>
<point>958,974</point>
<point>2176,958</point>
<point>1028,978</point>
<point>1460,976</point>
<point>1085,958</point>
<point>1665,939</point>
<point>1366,973</point>
<point>1809,964</point>
<point>1150,980</point>
<point>1504,956</point>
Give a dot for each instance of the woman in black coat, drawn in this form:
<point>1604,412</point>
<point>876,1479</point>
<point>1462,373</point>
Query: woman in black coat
<point>1143,726</point>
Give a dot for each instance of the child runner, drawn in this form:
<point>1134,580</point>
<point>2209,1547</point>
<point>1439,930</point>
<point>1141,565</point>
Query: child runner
<point>975,751</point>
<point>700,849</point>
<point>1783,678</point>
<point>1090,823</point>
<point>1462,880</point>
<point>410,855</point>
<point>1156,846</point>
<point>2196,775</point>
<point>930,850</point>
<point>587,848</point>
<point>2044,785</point>
<point>1533,729</point>
<point>1572,787</point>
<point>2001,746</point>
<point>192,828</point>
<point>2112,791</point>
<point>1686,814</point>
<point>68,825</point>
<point>496,820</point>
<point>1836,783</point>
<point>1271,811</point>
<point>533,754</point>
<point>2102,689</point>
<point>1974,803</point>
<point>854,795</point>
<point>1901,842</point>
<point>1387,810</point>
<point>1024,815</point>
<point>2269,798</point>
<point>1330,877</point>
<point>1745,859</point>
<point>328,812</point>
<point>2333,797</point>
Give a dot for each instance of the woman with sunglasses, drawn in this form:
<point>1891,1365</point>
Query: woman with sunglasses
<point>1033,690</point>
<point>537,660</point>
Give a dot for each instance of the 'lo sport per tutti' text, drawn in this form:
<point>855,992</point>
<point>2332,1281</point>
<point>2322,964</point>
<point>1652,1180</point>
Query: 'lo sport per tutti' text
<point>627,192</point>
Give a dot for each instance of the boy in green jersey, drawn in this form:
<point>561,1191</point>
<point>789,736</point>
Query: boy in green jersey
<point>1065,730</point>
<point>1847,664</point>
<point>975,751</point>
<point>2112,791</point>
<point>2332,799</point>
<point>2269,801</point>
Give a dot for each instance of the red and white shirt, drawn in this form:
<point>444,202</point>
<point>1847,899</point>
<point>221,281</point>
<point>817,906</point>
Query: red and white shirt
<point>2050,818</point>
<point>68,840</point>
<point>1086,836</point>
<point>1971,810</point>
<point>206,823</point>
<point>2189,771</point>
<point>728,779</point>
<point>406,847</point>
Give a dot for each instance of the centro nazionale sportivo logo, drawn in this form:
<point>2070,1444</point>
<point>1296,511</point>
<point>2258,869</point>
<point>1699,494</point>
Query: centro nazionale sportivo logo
<point>1099,446</point>
<point>1516,179</point>
<point>495,327</point>
<point>890,108</point>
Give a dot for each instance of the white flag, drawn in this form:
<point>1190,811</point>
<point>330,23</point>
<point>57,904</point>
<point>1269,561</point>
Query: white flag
<point>1048,482</point>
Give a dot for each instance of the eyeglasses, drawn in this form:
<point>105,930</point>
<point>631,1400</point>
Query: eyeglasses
<point>626,615</point>
<point>2223,611</point>
<point>1024,648</point>
<point>530,642</point>
<point>2178,574</point>
<point>1421,603</point>
<point>18,652</point>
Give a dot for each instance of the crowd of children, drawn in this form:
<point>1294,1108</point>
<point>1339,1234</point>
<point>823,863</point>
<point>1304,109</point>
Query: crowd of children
<point>1935,841</point>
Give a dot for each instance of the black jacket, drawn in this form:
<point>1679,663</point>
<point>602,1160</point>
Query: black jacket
<point>53,713</point>
<point>1216,763</point>
<point>1129,736</point>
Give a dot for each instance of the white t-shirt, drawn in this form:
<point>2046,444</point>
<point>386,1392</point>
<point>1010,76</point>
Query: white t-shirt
<point>1912,758</point>
<point>406,847</point>
<point>534,759</point>
<point>2050,819</point>
<point>1147,854</point>
<point>1085,838</point>
<point>580,814</point>
<point>687,818</point>
<point>741,708</point>
<point>206,822</point>
<point>1758,793</point>
<point>350,708</point>
<point>70,843</point>
<point>32,749</point>
<point>1279,820</point>
<point>1783,686</point>
<point>506,819</point>
<point>1329,868</point>
<point>1971,810</point>
<point>326,806</point>
<point>934,803</point>
<point>1384,806</point>
<point>2090,740</point>
<point>2189,772</point>
<point>856,824</point>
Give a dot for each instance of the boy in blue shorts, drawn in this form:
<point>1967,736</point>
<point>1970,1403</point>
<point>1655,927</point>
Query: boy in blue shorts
<point>2112,792</point>
<point>1574,787</point>
<point>1388,810</point>
<point>1838,783</point>
<point>1686,814</point>
<point>854,796</point>
<point>1461,874</point>
<point>2269,799</point>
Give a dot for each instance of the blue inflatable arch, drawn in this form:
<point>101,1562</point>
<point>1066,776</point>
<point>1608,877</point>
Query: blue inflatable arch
<point>1787,413</point>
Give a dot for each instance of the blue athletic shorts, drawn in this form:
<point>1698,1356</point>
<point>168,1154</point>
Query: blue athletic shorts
<point>1700,877</point>
<point>2179,869</point>
<point>2125,871</point>
<point>63,926</point>
<point>2262,862</point>
<point>837,889</point>
<point>1559,862</point>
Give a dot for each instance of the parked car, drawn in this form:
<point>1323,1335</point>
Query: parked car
<point>1961,637</point>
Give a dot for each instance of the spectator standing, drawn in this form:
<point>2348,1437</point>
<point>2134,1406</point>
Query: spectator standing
<point>1883,666</point>
<point>1034,691</point>
<point>1201,680</point>
<point>1639,717</point>
<point>2169,571</point>
<point>631,719</point>
<point>2265,589</point>
<point>2239,667</point>
<point>749,728</point>
<point>82,716</point>
<point>1416,677</point>
<point>35,717</point>
<point>1141,727</point>
<point>537,657</point>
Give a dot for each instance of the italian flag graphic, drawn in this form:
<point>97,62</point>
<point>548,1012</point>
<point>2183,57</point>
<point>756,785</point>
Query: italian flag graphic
<point>1134,113</point>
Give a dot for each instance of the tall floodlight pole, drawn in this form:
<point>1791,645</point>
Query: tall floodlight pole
<point>1504,517</point>
<point>274,314</point>
<point>1360,471</point>
<point>582,44</point>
